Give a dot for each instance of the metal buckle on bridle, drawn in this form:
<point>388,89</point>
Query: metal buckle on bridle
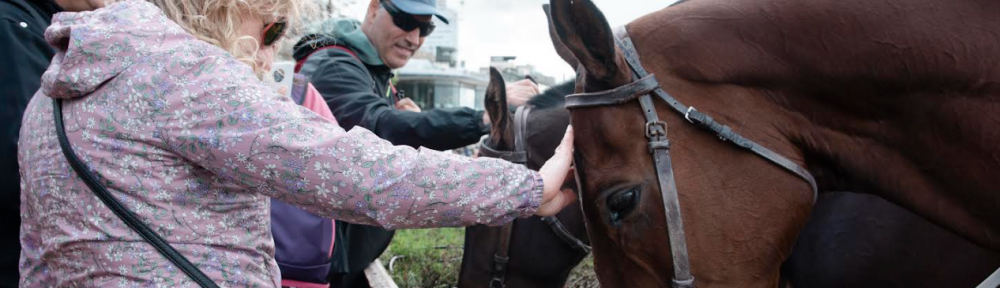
<point>497,283</point>
<point>656,132</point>
<point>687,115</point>
<point>656,128</point>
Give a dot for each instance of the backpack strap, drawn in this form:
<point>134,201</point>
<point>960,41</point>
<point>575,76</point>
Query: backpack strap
<point>298,64</point>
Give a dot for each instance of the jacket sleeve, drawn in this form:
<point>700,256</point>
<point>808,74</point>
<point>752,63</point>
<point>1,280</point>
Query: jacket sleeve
<point>347,87</point>
<point>249,135</point>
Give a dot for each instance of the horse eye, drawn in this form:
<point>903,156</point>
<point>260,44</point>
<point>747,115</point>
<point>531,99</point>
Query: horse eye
<point>621,204</point>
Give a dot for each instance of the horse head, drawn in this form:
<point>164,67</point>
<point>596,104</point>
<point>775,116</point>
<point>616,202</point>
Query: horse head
<point>740,213</point>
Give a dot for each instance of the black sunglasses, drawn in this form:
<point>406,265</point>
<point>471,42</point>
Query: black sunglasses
<point>406,21</point>
<point>273,32</point>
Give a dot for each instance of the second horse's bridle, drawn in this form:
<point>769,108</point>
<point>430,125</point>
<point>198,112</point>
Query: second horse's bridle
<point>643,87</point>
<point>520,155</point>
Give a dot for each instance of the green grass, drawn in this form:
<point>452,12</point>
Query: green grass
<point>583,275</point>
<point>432,258</point>
<point>426,257</point>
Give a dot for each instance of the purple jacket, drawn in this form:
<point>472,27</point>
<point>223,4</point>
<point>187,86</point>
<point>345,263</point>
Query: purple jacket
<point>188,138</point>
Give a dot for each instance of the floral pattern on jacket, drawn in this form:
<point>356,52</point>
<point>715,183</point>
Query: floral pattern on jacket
<point>188,138</point>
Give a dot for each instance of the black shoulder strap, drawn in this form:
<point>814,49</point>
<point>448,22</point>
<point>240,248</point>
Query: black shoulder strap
<point>130,219</point>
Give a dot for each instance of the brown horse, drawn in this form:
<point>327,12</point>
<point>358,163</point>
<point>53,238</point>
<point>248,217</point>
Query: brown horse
<point>536,254</point>
<point>891,97</point>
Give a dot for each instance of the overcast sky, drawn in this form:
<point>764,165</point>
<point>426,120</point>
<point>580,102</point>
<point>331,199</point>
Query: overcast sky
<point>519,28</point>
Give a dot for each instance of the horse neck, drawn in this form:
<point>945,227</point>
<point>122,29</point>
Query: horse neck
<point>546,129</point>
<point>877,104</point>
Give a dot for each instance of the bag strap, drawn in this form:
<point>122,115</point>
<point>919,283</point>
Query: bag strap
<point>298,64</point>
<point>130,219</point>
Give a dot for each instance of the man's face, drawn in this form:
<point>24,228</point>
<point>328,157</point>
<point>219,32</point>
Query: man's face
<point>394,45</point>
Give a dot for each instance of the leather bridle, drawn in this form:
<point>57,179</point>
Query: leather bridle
<point>643,88</point>
<point>520,155</point>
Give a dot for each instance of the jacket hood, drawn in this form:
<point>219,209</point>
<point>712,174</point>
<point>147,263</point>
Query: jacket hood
<point>95,47</point>
<point>344,32</point>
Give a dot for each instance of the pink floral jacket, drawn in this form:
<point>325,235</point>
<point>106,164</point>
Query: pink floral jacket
<point>190,140</point>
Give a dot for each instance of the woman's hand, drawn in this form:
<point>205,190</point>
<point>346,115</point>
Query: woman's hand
<point>554,173</point>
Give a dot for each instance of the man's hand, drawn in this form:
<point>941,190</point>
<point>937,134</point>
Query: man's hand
<point>406,104</point>
<point>520,92</point>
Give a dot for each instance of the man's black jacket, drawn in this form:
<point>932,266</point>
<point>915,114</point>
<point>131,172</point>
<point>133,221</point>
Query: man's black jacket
<point>24,56</point>
<point>356,93</point>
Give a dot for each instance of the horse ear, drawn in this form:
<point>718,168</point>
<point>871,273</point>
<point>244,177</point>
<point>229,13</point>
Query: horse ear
<point>581,26</point>
<point>496,107</point>
<point>561,48</point>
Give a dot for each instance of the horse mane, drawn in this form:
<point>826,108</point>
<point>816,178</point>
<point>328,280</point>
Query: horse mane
<point>554,97</point>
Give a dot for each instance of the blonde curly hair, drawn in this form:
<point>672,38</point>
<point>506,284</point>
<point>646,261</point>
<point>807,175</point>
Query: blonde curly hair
<point>218,21</point>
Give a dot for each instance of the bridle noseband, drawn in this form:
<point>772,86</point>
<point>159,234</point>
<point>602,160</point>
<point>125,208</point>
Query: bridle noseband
<point>644,85</point>
<point>520,155</point>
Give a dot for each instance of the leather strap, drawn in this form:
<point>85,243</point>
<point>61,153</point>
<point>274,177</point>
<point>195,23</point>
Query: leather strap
<point>520,153</point>
<point>631,55</point>
<point>127,216</point>
<point>560,230</point>
<point>521,129</point>
<point>656,133</point>
<point>519,157</point>
<point>615,96</point>
<point>501,258</point>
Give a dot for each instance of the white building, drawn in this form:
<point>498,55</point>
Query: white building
<point>442,45</point>
<point>512,71</point>
<point>434,86</point>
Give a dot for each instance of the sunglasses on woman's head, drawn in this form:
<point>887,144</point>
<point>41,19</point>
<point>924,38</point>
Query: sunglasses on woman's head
<point>406,21</point>
<point>273,32</point>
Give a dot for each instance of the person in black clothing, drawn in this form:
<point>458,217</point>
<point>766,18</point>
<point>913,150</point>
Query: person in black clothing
<point>350,63</point>
<point>25,56</point>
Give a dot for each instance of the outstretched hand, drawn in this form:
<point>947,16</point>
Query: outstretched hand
<point>554,173</point>
<point>518,93</point>
<point>406,104</point>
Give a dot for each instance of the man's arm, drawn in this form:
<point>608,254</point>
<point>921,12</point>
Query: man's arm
<point>346,85</point>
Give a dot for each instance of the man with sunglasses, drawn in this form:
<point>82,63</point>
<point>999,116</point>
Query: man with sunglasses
<point>351,64</point>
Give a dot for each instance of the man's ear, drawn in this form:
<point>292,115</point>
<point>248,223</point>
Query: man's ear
<point>373,7</point>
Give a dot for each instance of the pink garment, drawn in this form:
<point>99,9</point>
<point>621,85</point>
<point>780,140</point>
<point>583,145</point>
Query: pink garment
<point>314,102</point>
<point>193,143</point>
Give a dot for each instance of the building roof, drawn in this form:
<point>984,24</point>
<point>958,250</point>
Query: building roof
<point>423,69</point>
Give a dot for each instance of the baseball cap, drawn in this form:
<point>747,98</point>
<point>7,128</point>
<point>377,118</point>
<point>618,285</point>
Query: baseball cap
<point>420,7</point>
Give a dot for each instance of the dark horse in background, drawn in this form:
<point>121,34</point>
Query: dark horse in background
<point>897,98</point>
<point>535,256</point>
